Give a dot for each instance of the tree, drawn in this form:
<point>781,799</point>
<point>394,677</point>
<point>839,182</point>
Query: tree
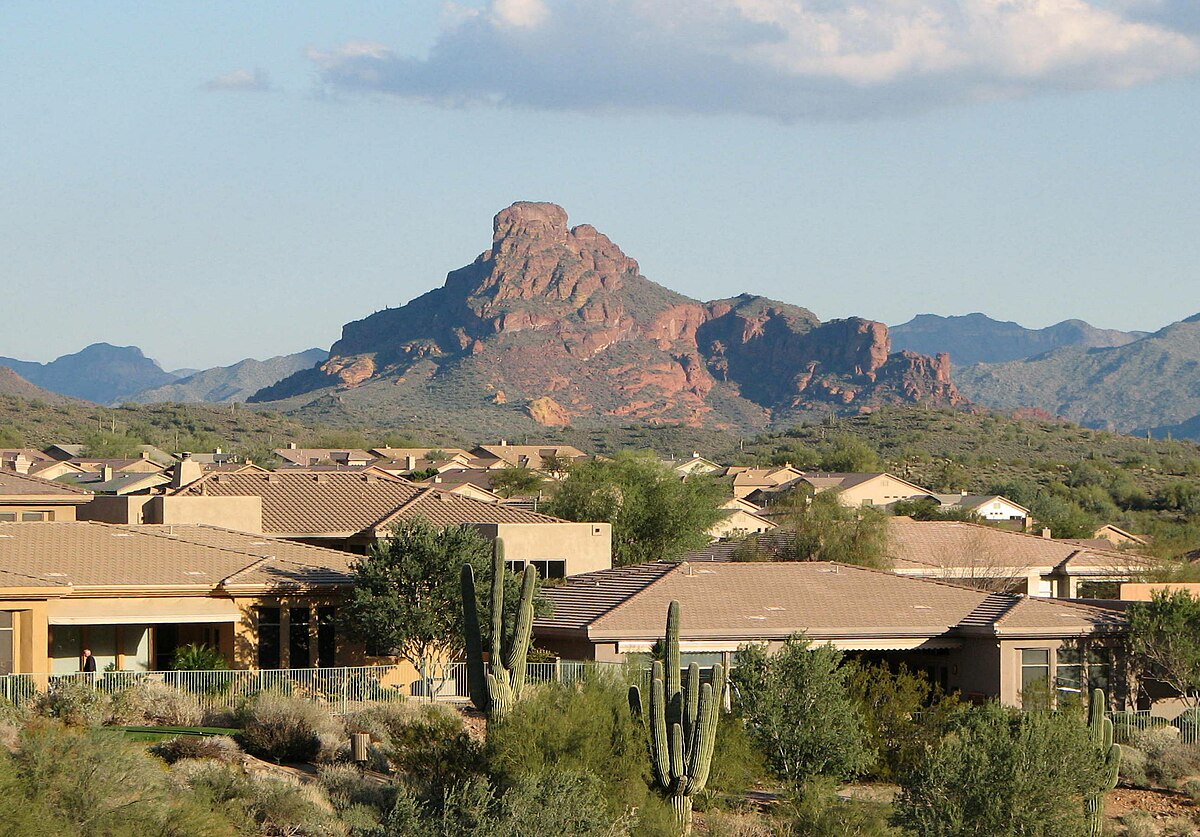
<point>516,482</point>
<point>799,710</point>
<point>847,454</point>
<point>407,597</point>
<point>1003,771</point>
<point>1164,635</point>
<point>654,514</point>
<point>198,657</point>
<point>826,530</point>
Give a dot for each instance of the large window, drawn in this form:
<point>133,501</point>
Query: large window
<point>1035,673</point>
<point>546,569</point>
<point>6,642</point>
<point>299,639</point>
<point>1069,680</point>
<point>268,636</point>
<point>326,637</point>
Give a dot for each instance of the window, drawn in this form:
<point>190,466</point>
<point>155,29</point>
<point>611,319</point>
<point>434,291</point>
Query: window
<point>6,642</point>
<point>1068,673</point>
<point>36,516</point>
<point>8,517</point>
<point>1035,671</point>
<point>546,569</point>
<point>268,636</point>
<point>1099,669</point>
<point>299,655</point>
<point>326,637</point>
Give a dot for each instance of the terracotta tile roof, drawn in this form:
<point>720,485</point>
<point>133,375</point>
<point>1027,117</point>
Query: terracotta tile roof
<point>187,558</point>
<point>13,484</point>
<point>343,503</point>
<point>531,456</point>
<point>307,456</point>
<point>947,544</point>
<point>761,601</point>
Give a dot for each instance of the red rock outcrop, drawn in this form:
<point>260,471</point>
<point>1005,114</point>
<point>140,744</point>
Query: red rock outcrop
<point>555,309</point>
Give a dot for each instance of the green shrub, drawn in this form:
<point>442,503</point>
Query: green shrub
<point>585,728</point>
<point>347,787</point>
<point>74,702</point>
<point>1179,827</point>
<point>219,747</point>
<point>1192,789</point>
<point>154,703</point>
<point>435,754</point>
<point>819,812</point>
<point>282,728</point>
<point>196,657</point>
<point>737,763</point>
<point>1133,767</point>
<point>1139,824</point>
<point>1167,760</point>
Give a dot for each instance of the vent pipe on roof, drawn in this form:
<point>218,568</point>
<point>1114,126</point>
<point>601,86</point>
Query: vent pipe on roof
<point>1046,534</point>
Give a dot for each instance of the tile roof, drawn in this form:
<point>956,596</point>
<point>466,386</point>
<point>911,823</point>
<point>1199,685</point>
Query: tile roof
<point>194,558</point>
<point>306,456</point>
<point>344,503</point>
<point>771,600</point>
<point>13,484</point>
<point>529,455</point>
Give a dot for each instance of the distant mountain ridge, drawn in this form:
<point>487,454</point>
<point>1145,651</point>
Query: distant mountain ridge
<point>977,338</point>
<point>1149,385</point>
<point>101,372</point>
<point>235,383</point>
<point>555,325</point>
<point>13,385</point>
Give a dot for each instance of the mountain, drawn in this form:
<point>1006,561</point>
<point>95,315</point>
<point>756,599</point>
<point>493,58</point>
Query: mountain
<point>555,325</point>
<point>13,385</point>
<point>231,383</point>
<point>977,338</point>
<point>102,373</point>
<point>1150,383</point>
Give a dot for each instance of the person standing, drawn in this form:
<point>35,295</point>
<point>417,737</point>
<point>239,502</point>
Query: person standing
<point>89,662</point>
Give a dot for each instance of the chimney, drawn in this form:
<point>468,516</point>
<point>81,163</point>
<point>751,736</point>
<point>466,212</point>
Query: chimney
<point>186,471</point>
<point>410,463</point>
<point>218,451</point>
<point>21,463</point>
<point>504,443</point>
<point>145,454</point>
<point>291,446</point>
<point>1046,534</point>
<point>106,473</point>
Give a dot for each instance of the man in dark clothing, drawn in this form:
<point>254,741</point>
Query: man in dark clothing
<point>89,662</point>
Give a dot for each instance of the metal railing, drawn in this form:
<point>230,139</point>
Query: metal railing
<point>1126,725</point>
<point>341,689</point>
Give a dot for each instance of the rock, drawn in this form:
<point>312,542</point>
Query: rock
<point>548,412</point>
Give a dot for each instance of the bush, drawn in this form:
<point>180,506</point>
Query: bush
<point>1192,789</point>
<point>282,728</point>
<point>435,754</point>
<point>198,658</point>
<point>581,729</point>
<point>219,747</point>
<point>819,812</point>
<point>151,702</point>
<point>737,763</point>
<point>1139,824</point>
<point>76,703</point>
<point>1167,760</point>
<point>347,787</point>
<point>1003,771</point>
<point>1133,767</point>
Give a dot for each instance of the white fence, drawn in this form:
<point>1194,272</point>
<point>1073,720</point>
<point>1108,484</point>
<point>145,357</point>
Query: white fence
<point>340,689</point>
<point>1127,724</point>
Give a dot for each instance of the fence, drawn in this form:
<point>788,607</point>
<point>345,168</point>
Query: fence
<point>1127,724</point>
<point>341,689</point>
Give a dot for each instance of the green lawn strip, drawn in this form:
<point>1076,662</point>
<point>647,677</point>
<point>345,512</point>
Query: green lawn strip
<point>149,734</point>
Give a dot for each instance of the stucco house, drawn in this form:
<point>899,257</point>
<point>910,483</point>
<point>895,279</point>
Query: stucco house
<point>25,499</point>
<point>866,489</point>
<point>982,644</point>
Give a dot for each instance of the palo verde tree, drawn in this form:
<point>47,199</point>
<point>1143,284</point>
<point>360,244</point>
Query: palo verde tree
<point>654,514</point>
<point>1164,635</point>
<point>682,720</point>
<point>406,591</point>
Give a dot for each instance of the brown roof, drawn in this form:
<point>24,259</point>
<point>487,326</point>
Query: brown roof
<point>13,484</point>
<point>529,455</point>
<point>947,544</point>
<point>344,503</point>
<point>305,456</point>
<point>190,558</point>
<point>771,600</point>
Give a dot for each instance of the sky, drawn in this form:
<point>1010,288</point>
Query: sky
<point>226,180</point>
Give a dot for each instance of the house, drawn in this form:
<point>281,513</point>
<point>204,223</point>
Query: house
<point>547,458</point>
<point>21,459</point>
<point>138,465</point>
<point>70,452</point>
<point>1118,537</point>
<point>739,518</point>
<point>305,457</point>
<point>27,499</point>
<point>866,489</point>
<point>129,482</point>
<point>696,465</point>
<point>990,507</point>
<point>472,482</point>
<point>351,510</point>
<point>980,643</point>
<point>1001,559</point>
<point>133,594</point>
<point>749,481</point>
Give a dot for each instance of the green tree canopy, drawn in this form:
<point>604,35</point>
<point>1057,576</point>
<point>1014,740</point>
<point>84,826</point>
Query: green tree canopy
<point>827,530</point>
<point>516,482</point>
<point>654,514</point>
<point>847,454</point>
<point>799,710</point>
<point>1164,634</point>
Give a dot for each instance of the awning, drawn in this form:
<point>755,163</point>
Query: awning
<point>143,611</point>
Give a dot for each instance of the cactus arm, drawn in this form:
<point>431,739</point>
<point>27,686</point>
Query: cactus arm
<point>691,701</point>
<point>678,768</point>
<point>671,658</point>
<point>659,745</point>
<point>519,651</point>
<point>498,571</point>
<point>477,686</point>
<point>706,738</point>
<point>635,704</point>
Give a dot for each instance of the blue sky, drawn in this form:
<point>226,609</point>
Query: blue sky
<point>229,180</point>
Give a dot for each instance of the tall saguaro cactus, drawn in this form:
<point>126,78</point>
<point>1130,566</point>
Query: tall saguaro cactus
<point>1101,727</point>
<point>683,724</point>
<point>495,685</point>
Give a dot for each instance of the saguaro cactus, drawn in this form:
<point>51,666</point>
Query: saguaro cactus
<point>1101,727</point>
<point>495,685</point>
<point>682,720</point>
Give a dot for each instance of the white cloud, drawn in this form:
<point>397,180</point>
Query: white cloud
<point>786,59</point>
<point>253,81</point>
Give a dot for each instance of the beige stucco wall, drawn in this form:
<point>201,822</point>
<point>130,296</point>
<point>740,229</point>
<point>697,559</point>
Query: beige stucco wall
<point>585,547</point>
<point>243,514</point>
<point>57,513</point>
<point>1144,592</point>
<point>115,509</point>
<point>881,491</point>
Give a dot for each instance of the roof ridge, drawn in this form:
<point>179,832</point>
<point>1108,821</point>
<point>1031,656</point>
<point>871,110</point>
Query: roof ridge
<point>253,565</point>
<point>36,480</point>
<point>668,567</point>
